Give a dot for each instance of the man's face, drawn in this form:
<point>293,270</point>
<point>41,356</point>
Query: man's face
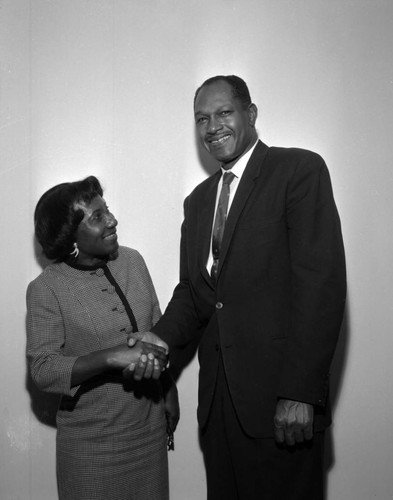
<point>225,128</point>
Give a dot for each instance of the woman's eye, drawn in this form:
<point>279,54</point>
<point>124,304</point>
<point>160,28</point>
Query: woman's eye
<point>96,217</point>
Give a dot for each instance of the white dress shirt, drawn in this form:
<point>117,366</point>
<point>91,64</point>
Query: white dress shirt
<point>237,169</point>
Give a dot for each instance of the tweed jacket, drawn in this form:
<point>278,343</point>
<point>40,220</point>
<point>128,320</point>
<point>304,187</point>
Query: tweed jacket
<point>72,312</point>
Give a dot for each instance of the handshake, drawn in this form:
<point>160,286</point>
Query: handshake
<point>153,359</point>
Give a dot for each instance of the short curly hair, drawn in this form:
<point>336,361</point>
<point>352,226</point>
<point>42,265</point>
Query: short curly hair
<point>239,88</point>
<point>56,219</point>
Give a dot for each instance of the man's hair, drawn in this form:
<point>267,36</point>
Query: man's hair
<point>239,88</point>
<point>56,219</point>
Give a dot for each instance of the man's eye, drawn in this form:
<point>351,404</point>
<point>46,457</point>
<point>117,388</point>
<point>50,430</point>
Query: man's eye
<point>201,120</point>
<point>225,113</point>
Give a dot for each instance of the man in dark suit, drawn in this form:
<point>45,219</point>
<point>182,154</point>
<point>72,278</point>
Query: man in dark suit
<point>269,295</point>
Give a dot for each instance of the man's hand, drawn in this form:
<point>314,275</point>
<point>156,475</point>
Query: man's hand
<point>148,337</point>
<point>149,365</point>
<point>293,422</point>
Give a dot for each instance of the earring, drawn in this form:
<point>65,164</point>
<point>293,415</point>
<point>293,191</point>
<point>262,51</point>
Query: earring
<point>75,252</point>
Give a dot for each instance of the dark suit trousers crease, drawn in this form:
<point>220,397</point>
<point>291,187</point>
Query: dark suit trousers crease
<point>242,468</point>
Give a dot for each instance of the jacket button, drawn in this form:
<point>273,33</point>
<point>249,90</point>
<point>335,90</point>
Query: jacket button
<point>219,305</point>
<point>217,347</point>
<point>120,308</point>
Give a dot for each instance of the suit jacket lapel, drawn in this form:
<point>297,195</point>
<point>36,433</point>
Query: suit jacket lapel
<point>244,190</point>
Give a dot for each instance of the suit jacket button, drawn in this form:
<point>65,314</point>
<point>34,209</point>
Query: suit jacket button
<point>217,347</point>
<point>219,305</point>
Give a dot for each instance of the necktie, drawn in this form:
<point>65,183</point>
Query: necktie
<point>219,221</point>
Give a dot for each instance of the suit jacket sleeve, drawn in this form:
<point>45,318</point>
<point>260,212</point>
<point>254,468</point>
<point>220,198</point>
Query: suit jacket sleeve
<point>318,282</point>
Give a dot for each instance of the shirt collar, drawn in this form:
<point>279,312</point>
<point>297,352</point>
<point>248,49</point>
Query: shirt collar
<point>239,167</point>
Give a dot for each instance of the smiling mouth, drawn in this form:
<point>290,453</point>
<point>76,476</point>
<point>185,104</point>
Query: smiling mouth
<point>220,141</point>
<point>110,236</point>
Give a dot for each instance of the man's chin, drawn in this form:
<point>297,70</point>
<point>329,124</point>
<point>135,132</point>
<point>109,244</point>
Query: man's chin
<point>222,156</point>
<point>219,156</point>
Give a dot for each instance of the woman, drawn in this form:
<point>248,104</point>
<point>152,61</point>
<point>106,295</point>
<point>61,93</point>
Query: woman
<point>111,432</point>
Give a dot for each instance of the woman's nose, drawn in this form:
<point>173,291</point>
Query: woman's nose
<point>111,220</point>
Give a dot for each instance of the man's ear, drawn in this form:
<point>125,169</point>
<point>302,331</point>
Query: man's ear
<point>252,111</point>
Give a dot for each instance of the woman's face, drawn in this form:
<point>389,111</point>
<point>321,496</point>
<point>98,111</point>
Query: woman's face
<point>96,234</point>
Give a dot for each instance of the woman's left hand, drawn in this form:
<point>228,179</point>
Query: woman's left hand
<point>172,408</point>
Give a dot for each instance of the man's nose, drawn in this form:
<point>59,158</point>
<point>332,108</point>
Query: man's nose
<point>214,125</point>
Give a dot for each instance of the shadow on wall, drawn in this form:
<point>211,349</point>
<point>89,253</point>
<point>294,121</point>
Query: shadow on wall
<point>43,405</point>
<point>336,382</point>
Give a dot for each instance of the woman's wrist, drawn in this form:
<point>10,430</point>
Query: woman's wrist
<point>92,364</point>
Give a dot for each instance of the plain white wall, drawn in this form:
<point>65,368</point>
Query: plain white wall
<point>105,87</point>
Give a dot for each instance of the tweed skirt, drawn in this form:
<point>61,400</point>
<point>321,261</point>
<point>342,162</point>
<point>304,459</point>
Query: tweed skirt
<point>123,457</point>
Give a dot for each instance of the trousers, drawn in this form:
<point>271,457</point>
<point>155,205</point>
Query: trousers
<point>240,467</point>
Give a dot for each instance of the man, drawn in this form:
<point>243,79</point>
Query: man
<point>268,288</point>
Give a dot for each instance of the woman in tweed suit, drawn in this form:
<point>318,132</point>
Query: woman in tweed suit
<point>111,432</point>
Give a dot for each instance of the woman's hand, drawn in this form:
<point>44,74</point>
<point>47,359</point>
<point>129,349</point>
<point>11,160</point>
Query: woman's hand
<point>172,408</point>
